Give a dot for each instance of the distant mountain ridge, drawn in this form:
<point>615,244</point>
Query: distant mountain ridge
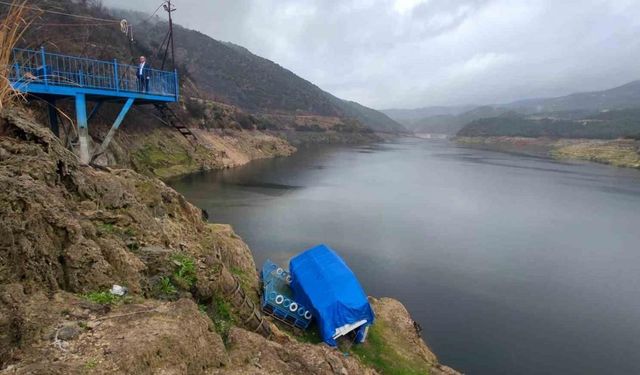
<point>450,120</point>
<point>625,96</point>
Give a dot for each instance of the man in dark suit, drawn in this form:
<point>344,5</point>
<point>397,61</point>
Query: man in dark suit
<point>144,75</point>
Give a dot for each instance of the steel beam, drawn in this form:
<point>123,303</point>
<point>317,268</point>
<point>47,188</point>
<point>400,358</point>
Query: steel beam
<point>116,124</point>
<point>95,109</point>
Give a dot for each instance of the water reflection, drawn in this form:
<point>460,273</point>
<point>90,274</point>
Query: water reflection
<point>512,264</point>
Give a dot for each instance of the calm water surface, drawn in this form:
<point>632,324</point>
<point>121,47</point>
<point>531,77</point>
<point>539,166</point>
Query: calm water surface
<point>512,264</point>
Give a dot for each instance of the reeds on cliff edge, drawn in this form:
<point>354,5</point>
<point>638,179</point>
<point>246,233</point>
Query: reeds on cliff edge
<point>13,25</point>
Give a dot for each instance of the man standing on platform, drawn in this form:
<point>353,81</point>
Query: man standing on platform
<point>144,75</point>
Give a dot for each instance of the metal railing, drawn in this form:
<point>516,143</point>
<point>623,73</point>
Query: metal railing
<point>277,299</point>
<point>52,69</point>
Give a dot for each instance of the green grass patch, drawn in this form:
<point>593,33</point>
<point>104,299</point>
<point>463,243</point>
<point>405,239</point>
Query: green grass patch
<point>185,273</point>
<point>377,353</point>
<point>222,316</point>
<point>109,228</point>
<point>90,364</point>
<point>202,308</point>
<point>103,298</point>
<point>106,228</point>
<point>166,287</point>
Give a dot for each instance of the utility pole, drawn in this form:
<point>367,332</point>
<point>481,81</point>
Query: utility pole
<point>170,9</point>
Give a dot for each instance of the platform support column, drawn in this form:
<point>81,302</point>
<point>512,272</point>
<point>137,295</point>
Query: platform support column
<point>53,116</point>
<point>83,128</point>
<point>114,127</point>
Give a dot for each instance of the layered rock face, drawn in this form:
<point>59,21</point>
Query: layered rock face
<point>69,232</point>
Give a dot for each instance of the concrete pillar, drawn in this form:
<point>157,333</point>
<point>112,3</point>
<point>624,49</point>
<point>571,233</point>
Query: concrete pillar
<point>83,128</point>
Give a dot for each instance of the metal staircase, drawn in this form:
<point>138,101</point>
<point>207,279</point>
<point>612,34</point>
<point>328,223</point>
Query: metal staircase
<point>169,118</point>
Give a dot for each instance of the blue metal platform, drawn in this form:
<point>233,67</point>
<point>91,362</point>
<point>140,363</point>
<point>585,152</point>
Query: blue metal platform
<point>41,72</point>
<point>52,76</point>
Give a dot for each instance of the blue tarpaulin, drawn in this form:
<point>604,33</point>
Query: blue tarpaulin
<point>323,282</point>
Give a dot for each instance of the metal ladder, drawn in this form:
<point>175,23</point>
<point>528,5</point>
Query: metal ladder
<point>169,118</point>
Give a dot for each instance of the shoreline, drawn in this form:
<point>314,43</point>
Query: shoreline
<point>615,152</point>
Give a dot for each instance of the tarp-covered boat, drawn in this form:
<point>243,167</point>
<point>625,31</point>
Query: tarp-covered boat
<point>324,283</point>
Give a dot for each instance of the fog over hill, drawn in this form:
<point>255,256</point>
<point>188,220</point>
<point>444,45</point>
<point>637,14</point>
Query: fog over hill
<point>449,120</point>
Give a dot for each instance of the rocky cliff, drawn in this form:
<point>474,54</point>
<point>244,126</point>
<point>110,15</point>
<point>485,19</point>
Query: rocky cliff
<point>69,232</point>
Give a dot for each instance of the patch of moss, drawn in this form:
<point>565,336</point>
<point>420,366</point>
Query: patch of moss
<point>106,228</point>
<point>164,161</point>
<point>377,353</point>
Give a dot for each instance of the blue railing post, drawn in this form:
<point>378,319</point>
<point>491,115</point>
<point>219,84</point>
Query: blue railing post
<point>115,74</point>
<point>175,77</point>
<point>16,64</point>
<point>44,66</point>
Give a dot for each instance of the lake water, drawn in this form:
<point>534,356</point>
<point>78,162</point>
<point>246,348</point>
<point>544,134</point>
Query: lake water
<point>512,264</point>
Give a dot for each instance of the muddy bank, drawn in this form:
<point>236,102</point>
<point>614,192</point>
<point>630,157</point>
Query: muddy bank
<point>618,152</point>
<point>69,232</point>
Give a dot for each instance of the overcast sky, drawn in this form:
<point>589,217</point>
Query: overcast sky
<point>414,53</point>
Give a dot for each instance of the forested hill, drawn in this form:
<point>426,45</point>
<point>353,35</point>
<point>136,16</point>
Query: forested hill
<point>234,75</point>
<point>625,96</point>
<point>624,123</point>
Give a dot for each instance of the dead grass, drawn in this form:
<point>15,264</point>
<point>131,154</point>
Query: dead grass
<point>13,26</point>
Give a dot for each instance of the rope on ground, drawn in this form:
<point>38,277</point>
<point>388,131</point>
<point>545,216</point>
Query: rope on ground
<point>155,309</point>
<point>59,343</point>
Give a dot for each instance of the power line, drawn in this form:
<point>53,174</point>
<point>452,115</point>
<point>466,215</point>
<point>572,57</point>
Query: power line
<point>154,12</point>
<point>73,24</point>
<point>60,13</point>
